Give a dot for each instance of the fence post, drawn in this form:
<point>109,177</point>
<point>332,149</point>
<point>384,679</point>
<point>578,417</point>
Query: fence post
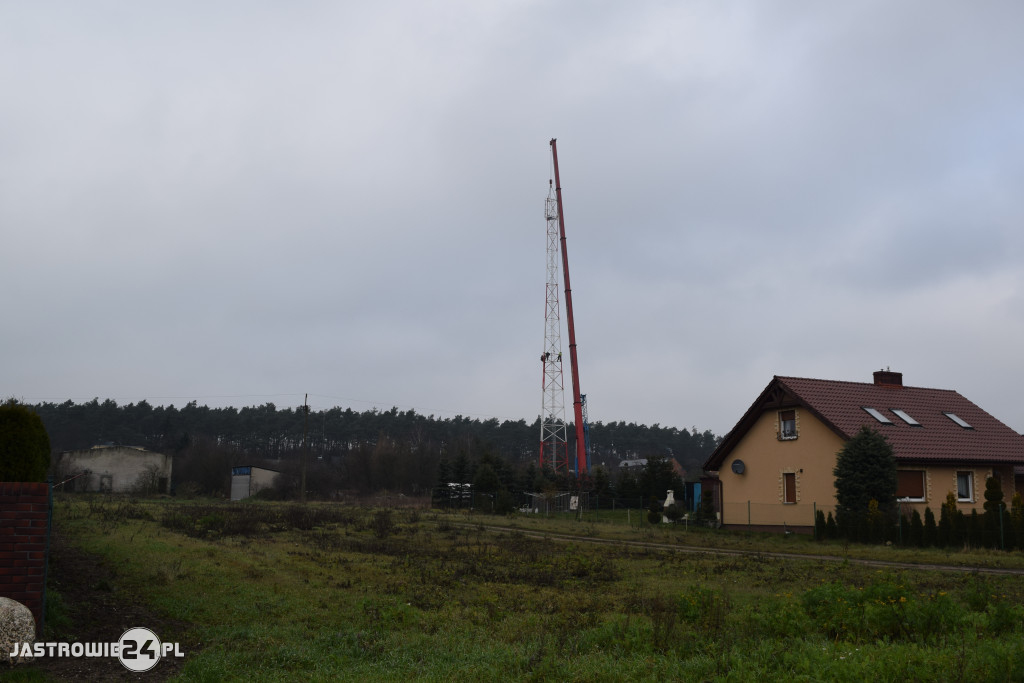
<point>748,516</point>
<point>899,517</point>
<point>1002,539</point>
<point>814,514</point>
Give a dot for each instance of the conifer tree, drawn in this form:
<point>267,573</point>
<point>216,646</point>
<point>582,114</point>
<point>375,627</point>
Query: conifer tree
<point>994,510</point>
<point>24,444</point>
<point>865,470</point>
<point>931,533</point>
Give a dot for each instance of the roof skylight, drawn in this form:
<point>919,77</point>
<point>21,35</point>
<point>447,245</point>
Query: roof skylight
<point>902,414</point>
<point>877,415</point>
<point>959,420</point>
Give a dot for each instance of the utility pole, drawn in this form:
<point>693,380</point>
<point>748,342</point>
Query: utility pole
<point>305,449</point>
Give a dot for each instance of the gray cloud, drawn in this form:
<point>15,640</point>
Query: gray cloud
<point>246,202</point>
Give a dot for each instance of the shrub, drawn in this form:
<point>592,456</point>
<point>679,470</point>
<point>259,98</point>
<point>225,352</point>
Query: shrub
<point>935,616</point>
<point>831,528</point>
<point>655,513</point>
<point>704,608</point>
<point>382,524</point>
<point>916,537</point>
<point>504,503</point>
<point>876,611</point>
<point>930,535</point>
<point>995,517</point>
<point>1017,520</point>
<point>24,444</point>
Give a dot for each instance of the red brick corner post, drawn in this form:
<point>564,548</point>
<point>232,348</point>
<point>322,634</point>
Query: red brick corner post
<point>25,513</point>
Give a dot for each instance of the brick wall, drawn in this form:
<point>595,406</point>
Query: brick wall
<point>24,533</point>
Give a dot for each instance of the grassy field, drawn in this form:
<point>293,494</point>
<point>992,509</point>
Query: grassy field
<point>326,592</point>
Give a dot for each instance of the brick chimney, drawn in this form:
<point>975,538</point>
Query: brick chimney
<point>888,378</point>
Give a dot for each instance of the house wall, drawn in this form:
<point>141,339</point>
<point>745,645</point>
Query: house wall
<point>261,479</point>
<point>756,496</point>
<point>240,486</point>
<point>940,480</point>
<point>118,469</point>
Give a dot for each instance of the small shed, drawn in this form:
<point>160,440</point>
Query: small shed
<point>114,469</point>
<point>247,480</point>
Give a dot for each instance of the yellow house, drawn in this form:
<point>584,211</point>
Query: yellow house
<point>774,469</point>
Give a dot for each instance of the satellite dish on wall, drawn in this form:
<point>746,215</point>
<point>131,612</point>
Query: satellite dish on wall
<point>738,467</point>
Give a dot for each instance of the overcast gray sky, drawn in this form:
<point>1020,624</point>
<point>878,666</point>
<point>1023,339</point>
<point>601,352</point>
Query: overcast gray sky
<point>241,202</point>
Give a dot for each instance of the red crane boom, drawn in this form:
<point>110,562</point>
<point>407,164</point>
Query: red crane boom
<point>577,402</point>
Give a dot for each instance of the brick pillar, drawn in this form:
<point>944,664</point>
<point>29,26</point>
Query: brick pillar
<point>24,544</point>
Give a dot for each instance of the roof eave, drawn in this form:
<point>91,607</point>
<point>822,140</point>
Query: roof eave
<point>753,413</point>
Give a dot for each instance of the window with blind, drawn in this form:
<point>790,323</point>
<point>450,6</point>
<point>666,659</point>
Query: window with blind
<point>789,487</point>
<point>910,485</point>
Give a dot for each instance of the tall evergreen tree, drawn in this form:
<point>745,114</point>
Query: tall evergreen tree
<point>24,444</point>
<point>931,534</point>
<point>865,471</point>
<point>994,511</point>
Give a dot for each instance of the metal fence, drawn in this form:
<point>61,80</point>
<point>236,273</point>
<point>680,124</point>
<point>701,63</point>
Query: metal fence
<point>772,514</point>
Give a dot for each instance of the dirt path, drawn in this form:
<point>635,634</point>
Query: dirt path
<point>698,550</point>
<point>95,610</point>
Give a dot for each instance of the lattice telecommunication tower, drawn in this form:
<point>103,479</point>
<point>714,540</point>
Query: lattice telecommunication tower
<point>554,452</point>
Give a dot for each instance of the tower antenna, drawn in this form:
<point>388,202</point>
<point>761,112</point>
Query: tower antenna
<point>553,451</point>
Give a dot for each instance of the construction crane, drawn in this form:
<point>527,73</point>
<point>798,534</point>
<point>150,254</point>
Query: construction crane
<point>553,375</point>
<point>586,430</point>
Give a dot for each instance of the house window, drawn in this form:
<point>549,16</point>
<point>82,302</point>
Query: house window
<point>965,487</point>
<point>903,415</point>
<point>789,487</point>
<point>787,424</point>
<point>877,415</point>
<point>959,420</point>
<point>910,485</point>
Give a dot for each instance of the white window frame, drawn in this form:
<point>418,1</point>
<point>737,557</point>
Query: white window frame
<point>970,485</point>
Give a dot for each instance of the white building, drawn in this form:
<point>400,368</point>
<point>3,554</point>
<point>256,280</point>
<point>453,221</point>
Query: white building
<point>114,469</point>
<point>247,480</point>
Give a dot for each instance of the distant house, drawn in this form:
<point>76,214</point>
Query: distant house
<point>247,480</point>
<point>774,469</point>
<point>114,469</point>
<point>637,463</point>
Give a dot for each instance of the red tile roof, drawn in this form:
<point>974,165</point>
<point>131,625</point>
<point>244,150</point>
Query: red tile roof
<point>840,405</point>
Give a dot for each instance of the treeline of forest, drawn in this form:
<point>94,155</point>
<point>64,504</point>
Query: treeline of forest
<point>360,451</point>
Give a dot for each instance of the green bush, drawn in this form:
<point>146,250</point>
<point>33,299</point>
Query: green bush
<point>831,528</point>
<point>916,536</point>
<point>930,535</point>
<point>24,444</point>
<point>935,616</point>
